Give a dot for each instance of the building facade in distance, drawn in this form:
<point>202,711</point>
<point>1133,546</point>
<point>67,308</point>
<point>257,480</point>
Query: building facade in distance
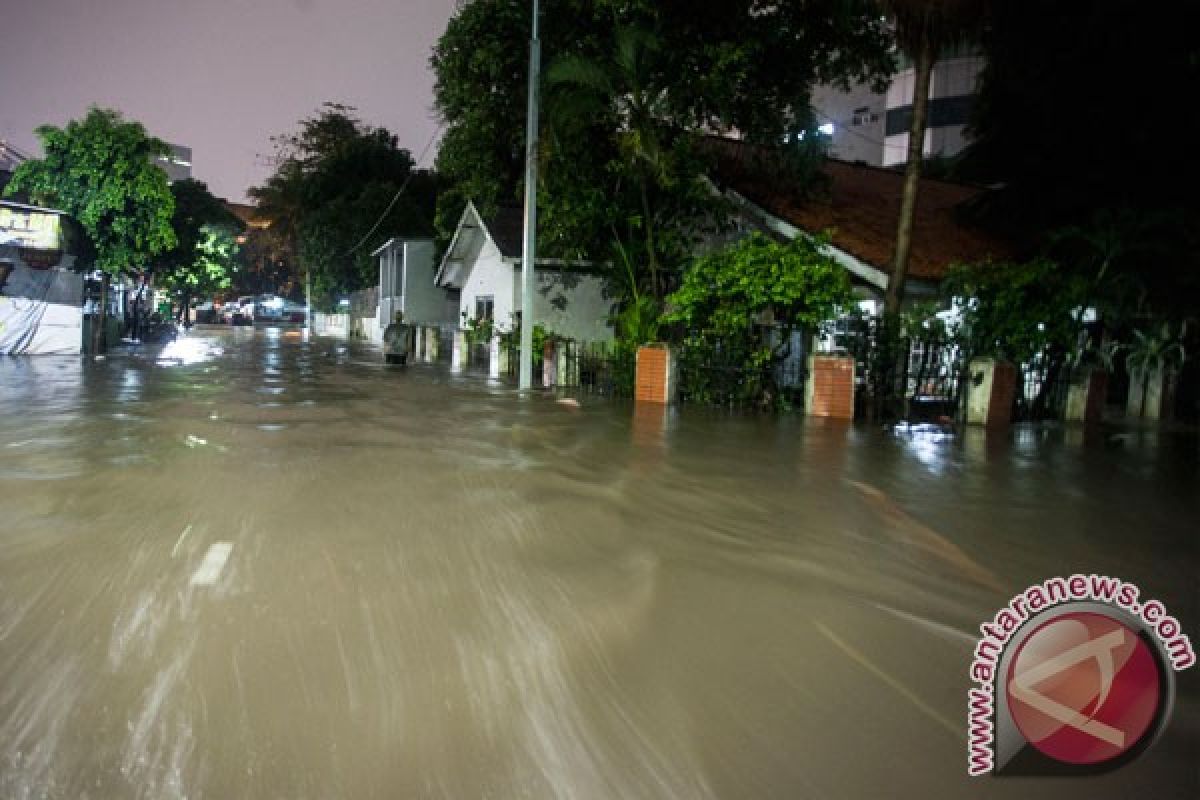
<point>177,164</point>
<point>871,127</point>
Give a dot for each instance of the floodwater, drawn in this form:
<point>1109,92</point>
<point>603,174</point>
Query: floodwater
<point>255,566</point>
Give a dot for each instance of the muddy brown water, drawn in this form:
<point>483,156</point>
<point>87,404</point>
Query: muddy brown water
<point>257,566</point>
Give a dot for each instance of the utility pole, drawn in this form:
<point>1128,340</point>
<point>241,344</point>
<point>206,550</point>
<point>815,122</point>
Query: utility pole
<point>529,253</point>
<point>308,312</point>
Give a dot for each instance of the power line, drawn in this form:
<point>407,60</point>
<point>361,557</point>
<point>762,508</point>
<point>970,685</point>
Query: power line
<point>399,191</point>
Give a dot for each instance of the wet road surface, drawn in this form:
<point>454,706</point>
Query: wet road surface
<point>257,566</point>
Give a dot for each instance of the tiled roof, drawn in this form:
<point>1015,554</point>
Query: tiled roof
<point>247,214</point>
<point>861,206</point>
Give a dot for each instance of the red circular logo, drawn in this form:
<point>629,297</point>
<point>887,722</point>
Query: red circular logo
<point>1084,688</point>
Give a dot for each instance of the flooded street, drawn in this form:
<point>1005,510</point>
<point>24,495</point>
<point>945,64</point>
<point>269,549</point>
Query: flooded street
<point>257,566</point>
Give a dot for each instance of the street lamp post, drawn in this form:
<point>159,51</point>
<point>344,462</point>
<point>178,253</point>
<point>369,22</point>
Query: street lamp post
<point>529,252</point>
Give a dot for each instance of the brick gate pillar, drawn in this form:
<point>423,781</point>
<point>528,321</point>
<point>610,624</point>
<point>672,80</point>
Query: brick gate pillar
<point>829,387</point>
<point>655,380</point>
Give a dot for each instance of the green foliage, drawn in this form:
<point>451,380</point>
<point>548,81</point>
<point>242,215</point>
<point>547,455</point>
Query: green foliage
<point>630,84</point>
<point>541,335</point>
<point>1014,311</point>
<point>1051,177</point>
<point>205,244</point>
<point>477,330</point>
<point>737,308</point>
<point>209,269</point>
<point>638,321</point>
<point>100,171</point>
<point>1158,350</point>
<point>732,292</point>
<point>216,255</point>
<point>335,177</point>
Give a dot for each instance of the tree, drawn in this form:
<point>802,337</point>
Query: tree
<point>204,228</point>
<point>1153,355</point>
<point>923,29</point>
<point>209,269</point>
<point>1077,121</point>
<point>100,171</point>
<point>619,90</point>
<point>739,306</point>
<point>336,196</point>
<point>648,77</point>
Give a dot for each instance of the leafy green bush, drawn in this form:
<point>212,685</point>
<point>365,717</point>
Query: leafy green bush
<point>1015,311</point>
<point>478,331</point>
<point>733,304</point>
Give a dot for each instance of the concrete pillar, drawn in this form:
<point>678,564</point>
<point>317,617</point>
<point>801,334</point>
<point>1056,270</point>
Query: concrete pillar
<point>567,363</point>
<point>506,354</point>
<point>991,388</point>
<point>458,356</point>
<point>1152,408</point>
<point>829,387</point>
<point>550,364</point>
<point>432,337</point>
<point>656,378</point>
<point>418,344</point>
<point>1086,395</point>
<point>494,349</point>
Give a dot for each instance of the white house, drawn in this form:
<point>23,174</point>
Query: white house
<point>406,284</point>
<point>483,265</point>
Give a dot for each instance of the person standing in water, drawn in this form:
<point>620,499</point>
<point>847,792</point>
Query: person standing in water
<point>396,339</point>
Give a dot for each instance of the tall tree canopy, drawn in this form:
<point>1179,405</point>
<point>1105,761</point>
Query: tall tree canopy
<point>100,171</point>
<point>628,81</point>
<point>336,177</point>
<point>1081,121</point>
<point>202,260</point>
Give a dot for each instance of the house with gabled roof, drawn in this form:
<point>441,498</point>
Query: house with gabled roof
<point>858,208</point>
<point>483,265</point>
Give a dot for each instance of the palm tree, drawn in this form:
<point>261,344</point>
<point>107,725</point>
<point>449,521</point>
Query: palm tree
<point>621,85</point>
<point>923,29</point>
<point>1153,354</point>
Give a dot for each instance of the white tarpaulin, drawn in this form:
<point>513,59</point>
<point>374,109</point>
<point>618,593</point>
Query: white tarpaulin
<point>41,313</point>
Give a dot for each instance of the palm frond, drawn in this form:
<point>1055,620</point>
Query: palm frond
<point>581,73</point>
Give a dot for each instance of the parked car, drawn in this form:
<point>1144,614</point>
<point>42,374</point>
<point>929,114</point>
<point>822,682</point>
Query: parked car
<point>295,313</point>
<point>233,314</point>
<point>249,308</point>
<point>206,313</point>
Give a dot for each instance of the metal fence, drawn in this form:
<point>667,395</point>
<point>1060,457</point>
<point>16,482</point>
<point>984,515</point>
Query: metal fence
<point>922,377</point>
<point>1043,385</point>
<point>728,374</point>
<point>911,377</point>
<point>603,368</point>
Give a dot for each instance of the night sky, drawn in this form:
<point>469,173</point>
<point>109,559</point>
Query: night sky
<point>220,76</point>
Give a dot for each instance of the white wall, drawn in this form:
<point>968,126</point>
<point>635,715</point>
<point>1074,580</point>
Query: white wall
<point>424,302</point>
<point>855,137</point>
<point>568,303</point>
<point>331,324</point>
<point>41,312</point>
<point>867,141</point>
<point>952,77</point>
<point>572,304</point>
<point>489,275</point>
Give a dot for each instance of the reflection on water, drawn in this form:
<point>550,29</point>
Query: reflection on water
<point>257,565</point>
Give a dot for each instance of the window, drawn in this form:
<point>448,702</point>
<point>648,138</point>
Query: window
<point>862,116</point>
<point>943,111</point>
<point>485,306</point>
